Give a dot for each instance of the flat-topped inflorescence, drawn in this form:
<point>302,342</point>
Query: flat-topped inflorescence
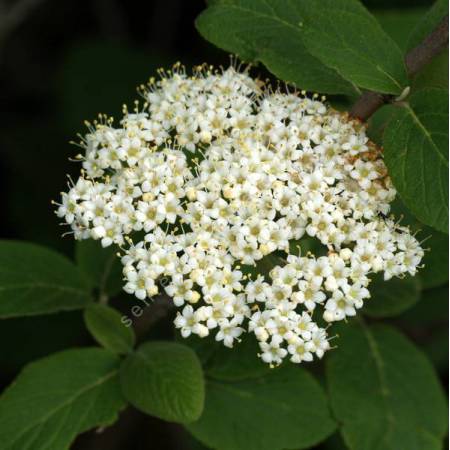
<point>216,172</point>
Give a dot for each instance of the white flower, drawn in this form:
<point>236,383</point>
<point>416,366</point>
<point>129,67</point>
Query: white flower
<point>339,306</point>
<point>257,291</point>
<point>181,290</point>
<point>309,294</point>
<point>319,343</point>
<point>189,322</point>
<point>272,353</point>
<point>149,215</point>
<point>300,351</point>
<point>141,284</point>
<point>229,332</point>
<point>210,185</point>
<point>306,326</point>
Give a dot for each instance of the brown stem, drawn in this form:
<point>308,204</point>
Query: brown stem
<point>415,60</point>
<point>158,308</point>
<point>431,46</point>
<point>368,104</point>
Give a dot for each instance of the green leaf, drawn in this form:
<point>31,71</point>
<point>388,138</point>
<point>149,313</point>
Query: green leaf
<point>416,154</point>
<point>347,38</point>
<point>398,23</point>
<point>101,266</point>
<point>392,297</point>
<point>164,379</point>
<point>105,324</point>
<point>269,32</point>
<point>286,408</point>
<point>434,74</point>
<point>428,23</point>
<point>58,397</point>
<point>251,406</point>
<point>37,280</point>
<point>385,392</point>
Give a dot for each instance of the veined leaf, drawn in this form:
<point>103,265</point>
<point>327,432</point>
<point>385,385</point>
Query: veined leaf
<point>347,38</point>
<point>385,392</point>
<point>269,32</point>
<point>416,154</point>
<point>58,397</point>
<point>250,406</point>
<point>164,379</point>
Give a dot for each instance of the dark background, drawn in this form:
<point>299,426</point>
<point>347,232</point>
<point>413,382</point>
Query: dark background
<point>62,62</point>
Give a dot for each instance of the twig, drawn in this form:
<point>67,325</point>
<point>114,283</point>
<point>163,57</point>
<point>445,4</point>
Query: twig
<point>415,60</point>
<point>159,308</point>
<point>433,44</point>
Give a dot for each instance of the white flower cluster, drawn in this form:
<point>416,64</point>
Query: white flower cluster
<point>217,175</point>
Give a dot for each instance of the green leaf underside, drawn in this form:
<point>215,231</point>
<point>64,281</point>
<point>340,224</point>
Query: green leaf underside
<point>269,32</point>
<point>164,379</point>
<point>101,266</point>
<point>105,325</point>
<point>250,406</point>
<point>58,397</point>
<point>392,297</point>
<point>416,154</point>
<point>385,392</point>
<point>346,37</point>
<point>37,280</point>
